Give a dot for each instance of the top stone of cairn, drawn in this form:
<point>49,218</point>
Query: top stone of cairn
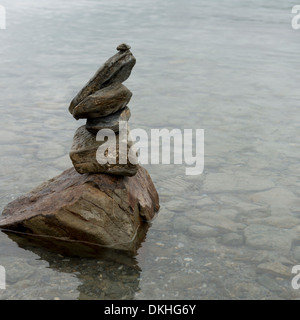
<point>116,69</point>
<point>123,47</point>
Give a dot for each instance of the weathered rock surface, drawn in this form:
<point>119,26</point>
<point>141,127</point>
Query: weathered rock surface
<point>103,102</point>
<point>99,209</point>
<point>116,69</point>
<point>109,122</point>
<point>269,238</point>
<point>202,231</point>
<point>274,268</point>
<point>123,47</point>
<point>232,239</point>
<point>83,155</point>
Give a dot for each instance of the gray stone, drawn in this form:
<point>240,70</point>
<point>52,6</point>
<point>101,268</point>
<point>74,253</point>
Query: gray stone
<point>279,199</point>
<point>286,221</point>
<point>296,253</point>
<point>83,156</point>
<point>274,268</point>
<point>110,122</point>
<point>123,47</point>
<point>269,283</point>
<point>116,69</point>
<point>232,239</point>
<point>216,220</point>
<point>103,102</point>
<point>270,238</point>
<point>202,231</point>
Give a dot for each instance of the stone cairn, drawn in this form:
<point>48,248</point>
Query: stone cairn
<point>103,102</point>
<point>93,206</point>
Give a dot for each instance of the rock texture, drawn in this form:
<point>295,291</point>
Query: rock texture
<point>107,198</point>
<point>92,208</point>
<point>103,102</point>
<point>83,155</point>
<point>117,69</point>
<point>109,122</point>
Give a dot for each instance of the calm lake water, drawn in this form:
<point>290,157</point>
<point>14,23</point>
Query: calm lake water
<point>228,67</point>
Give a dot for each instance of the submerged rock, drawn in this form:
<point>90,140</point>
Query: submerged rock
<point>96,209</point>
<point>269,238</point>
<point>274,268</point>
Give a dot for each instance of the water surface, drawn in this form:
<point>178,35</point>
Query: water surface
<point>229,68</point>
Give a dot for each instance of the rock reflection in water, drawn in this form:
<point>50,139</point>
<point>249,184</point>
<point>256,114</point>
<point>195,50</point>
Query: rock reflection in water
<point>104,273</point>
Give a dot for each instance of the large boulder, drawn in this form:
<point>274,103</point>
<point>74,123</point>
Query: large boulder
<point>96,209</point>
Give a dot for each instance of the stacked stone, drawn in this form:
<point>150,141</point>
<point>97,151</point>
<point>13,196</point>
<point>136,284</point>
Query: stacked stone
<point>91,211</point>
<point>103,102</point>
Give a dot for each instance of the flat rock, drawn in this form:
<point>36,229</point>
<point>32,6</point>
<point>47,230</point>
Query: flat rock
<point>202,231</point>
<point>280,200</point>
<point>83,155</point>
<point>232,239</point>
<point>96,209</point>
<point>269,283</point>
<point>103,102</point>
<point>116,69</point>
<point>269,238</point>
<point>216,220</point>
<point>274,268</point>
<point>109,122</point>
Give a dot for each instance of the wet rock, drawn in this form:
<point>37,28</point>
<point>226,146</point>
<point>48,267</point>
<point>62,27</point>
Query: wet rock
<point>103,102</point>
<point>92,208</point>
<point>232,239</point>
<point>216,220</point>
<point>269,283</point>
<point>83,156</point>
<point>254,211</point>
<point>188,281</point>
<point>296,253</point>
<point>279,199</point>
<point>202,231</point>
<point>109,122</point>
<point>269,238</point>
<point>245,290</point>
<point>274,268</point>
<point>285,222</point>
<point>116,69</point>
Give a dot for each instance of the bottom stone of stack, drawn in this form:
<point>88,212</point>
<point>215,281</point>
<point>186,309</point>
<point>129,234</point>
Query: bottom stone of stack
<point>96,209</point>
<point>83,155</point>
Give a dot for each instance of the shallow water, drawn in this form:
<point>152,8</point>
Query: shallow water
<point>230,69</point>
